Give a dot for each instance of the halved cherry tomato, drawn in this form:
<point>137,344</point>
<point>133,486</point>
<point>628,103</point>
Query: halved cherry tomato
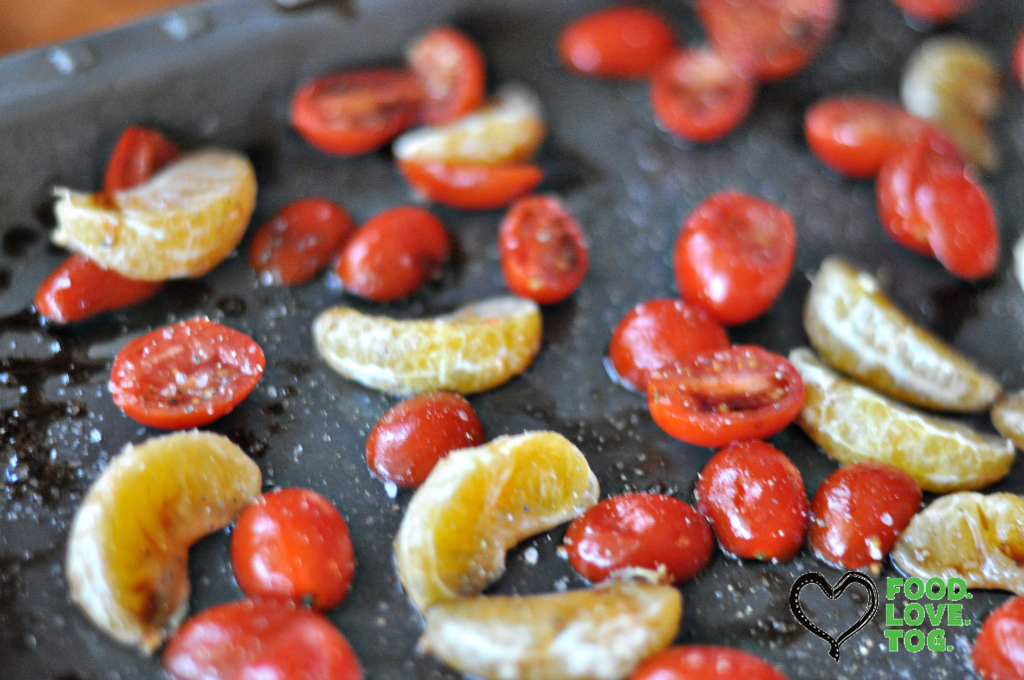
<point>657,333</point>
<point>639,530</point>
<point>998,652</point>
<point>138,154</point>
<point>296,243</point>
<point>700,662</point>
<point>292,544</point>
<point>79,288</point>
<point>408,440</point>
<point>715,398</point>
<point>543,252</point>
<point>623,41</point>
<point>356,112</point>
<point>859,512</point>
<point>733,256</point>
<point>260,639</point>
<point>185,375</point>
<point>935,11</point>
<point>471,187</point>
<point>930,201</point>
<point>1018,59</point>
<point>699,96</point>
<point>768,39</point>
<point>451,71</point>
<point>393,254</point>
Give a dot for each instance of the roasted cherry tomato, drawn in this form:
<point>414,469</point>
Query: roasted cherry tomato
<point>293,544</point>
<point>302,237</point>
<point>623,41</point>
<point>699,96</point>
<point>139,153</point>
<point>408,440</point>
<point>1018,59</point>
<point>543,252</point>
<point>733,256</point>
<point>471,187</point>
<point>754,498</point>
<point>930,201</point>
<point>79,288</point>
<point>859,512</point>
<point>935,11</point>
<point>451,71</point>
<point>700,662</point>
<point>998,652</point>
<point>768,39</point>
<point>715,398</point>
<point>393,254</point>
<point>262,639</point>
<point>657,333</point>
<point>185,375</point>
<point>639,530</point>
<point>357,111</point>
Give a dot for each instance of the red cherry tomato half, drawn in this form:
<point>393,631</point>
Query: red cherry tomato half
<point>393,254</point>
<point>185,375</point>
<point>296,243</point>
<point>543,252</point>
<point>357,111</point>
<point>930,201</point>
<point>754,498</point>
<point>639,530</point>
<point>293,544</point>
<point>80,288</point>
<point>998,652</point>
<point>859,512</point>
<point>935,11</point>
<point>451,71</point>
<point>408,440</point>
<point>715,398</point>
<point>471,187</point>
<point>1018,59</point>
<point>733,256</point>
<point>768,39</point>
<point>263,639</point>
<point>699,662</point>
<point>623,41</point>
<point>699,96</point>
<point>657,333</point>
<point>137,156</point>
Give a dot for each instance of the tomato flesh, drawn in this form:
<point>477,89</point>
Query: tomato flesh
<point>451,72</point>
<point>935,11</point>
<point>623,41</point>
<point>471,187</point>
<point>298,241</point>
<point>639,530</point>
<point>185,375</point>
<point>998,652</point>
<point>701,662</point>
<point>137,156</point>
<point>79,288</point>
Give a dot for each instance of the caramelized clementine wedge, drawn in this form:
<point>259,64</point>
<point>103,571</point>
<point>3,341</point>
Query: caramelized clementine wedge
<point>1008,417</point>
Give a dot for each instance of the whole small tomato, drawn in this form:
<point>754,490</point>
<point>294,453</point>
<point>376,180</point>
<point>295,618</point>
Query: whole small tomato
<point>408,440</point>
<point>639,530</point>
<point>79,288</point>
<point>622,41</point>
<point>296,243</point>
<point>471,187</point>
<point>137,156</point>
<point>260,639</point>
<point>393,254</point>
<point>451,71</point>
<point>859,512</point>
<point>935,11</point>
<point>733,256</point>
<point>700,662</point>
<point>657,333</point>
<point>293,544</point>
<point>998,652</point>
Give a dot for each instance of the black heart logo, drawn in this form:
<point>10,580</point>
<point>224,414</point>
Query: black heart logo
<point>832,593</point>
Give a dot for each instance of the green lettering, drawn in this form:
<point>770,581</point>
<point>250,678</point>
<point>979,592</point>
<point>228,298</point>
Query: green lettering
<point>892,586</point>
<point>931,593</point>
<point>890,616</point>
<point>893,635</point>
<point>913,615</point>
<point>935,612</point>
<point>955,615</point>
<point>913,584</point>
<point>937,640</point>
<point>957,589</point>
<point>913,641</point>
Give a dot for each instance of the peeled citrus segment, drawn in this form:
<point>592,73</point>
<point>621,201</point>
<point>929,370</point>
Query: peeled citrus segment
<point>854,423</point>
<point>1008,417</point>
<point>127,563</point>
<point>180,223</point>
<point>598,634</point>
<point>509,130</point>
<point>978,538</point>
<point>475,348</point>
<point>479,502</point>
<point>857,330</point>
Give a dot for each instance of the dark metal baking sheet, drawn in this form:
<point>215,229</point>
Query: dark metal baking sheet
<point>222,74</point>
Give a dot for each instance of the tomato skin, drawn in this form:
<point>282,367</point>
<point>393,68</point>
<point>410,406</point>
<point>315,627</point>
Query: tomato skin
<point>1017,65</point>
<point>998,652</point>
<point>715,398</point>
<point>935,11</point>
<point>623,41</point>
<point>704,662</point>
<point>185,375</point>
<point>393,254</point>
<point>733,256</point>
<point>639,530</point>
<point>266,639</point>
<point>754,498</point>
<point>471,187</point>
<point>859,512</point>
<point>355,112</point>
<point>79,288</point>
<point>137,156</point>
<point>292,544</point>
<point>409,440</point>
<point>298,241</point>
<point>699,96</point>
<point>451,72</point>
<point>657,333</point>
